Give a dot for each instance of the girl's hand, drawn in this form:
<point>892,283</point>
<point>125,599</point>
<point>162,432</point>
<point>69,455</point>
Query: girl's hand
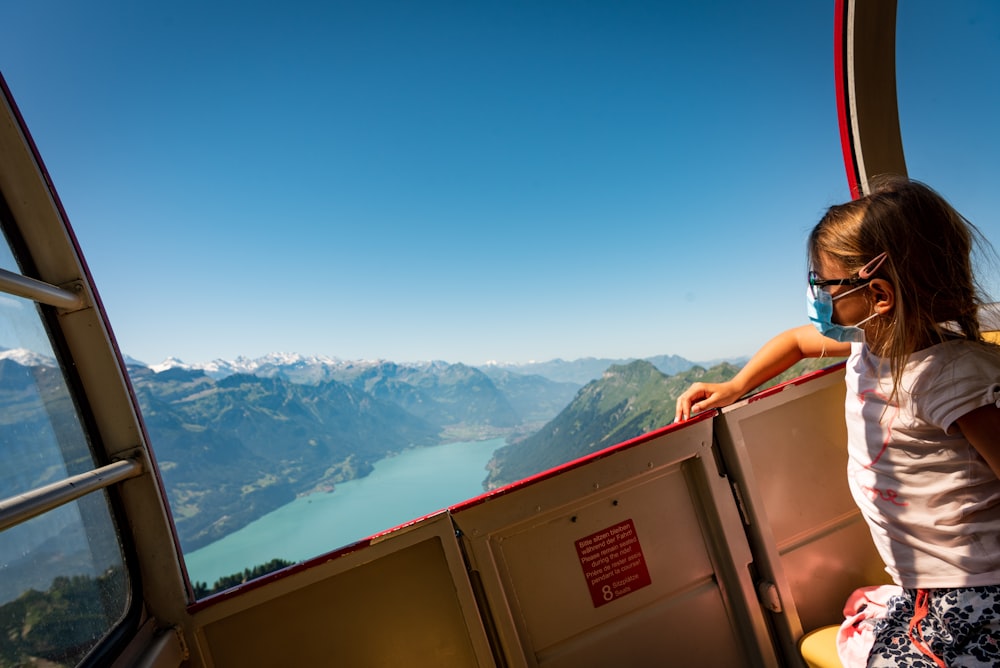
<point>703,396</point>
<point>777,355</point>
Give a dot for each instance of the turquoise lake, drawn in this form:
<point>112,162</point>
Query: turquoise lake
<point>403,487</point>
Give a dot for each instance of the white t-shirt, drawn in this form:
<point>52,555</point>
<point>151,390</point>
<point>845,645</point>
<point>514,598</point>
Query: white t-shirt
<point>931,501</point>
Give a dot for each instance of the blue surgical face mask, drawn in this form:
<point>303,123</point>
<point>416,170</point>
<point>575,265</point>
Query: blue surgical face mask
<point>819,304</point>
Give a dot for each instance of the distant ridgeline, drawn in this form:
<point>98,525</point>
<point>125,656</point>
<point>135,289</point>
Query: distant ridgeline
<point>232,448</point>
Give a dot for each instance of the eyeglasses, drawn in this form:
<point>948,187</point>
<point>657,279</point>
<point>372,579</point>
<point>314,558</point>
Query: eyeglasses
<point>864,276</point>
<point>816,283</point>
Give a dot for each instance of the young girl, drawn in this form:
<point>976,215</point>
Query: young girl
<point>892,287</point>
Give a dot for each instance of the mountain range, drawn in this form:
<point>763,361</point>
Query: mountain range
<point>235,440</point>
<point>312,369</point>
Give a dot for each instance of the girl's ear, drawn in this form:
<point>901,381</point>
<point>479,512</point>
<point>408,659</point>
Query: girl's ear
<point>884,294</point>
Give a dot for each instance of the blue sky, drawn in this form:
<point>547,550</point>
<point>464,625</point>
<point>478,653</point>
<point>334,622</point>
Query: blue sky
<point>471,181</point>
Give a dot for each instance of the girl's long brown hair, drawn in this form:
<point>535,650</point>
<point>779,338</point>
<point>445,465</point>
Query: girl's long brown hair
<point>929,246</point>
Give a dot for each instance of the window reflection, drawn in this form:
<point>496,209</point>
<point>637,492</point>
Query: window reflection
<point>63,584</point>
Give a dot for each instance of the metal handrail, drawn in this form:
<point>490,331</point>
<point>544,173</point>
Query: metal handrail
<point>23,507</point>
<point>45,293</point>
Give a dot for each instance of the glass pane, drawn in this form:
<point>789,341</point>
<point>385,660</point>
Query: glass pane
<point>948,80</point>
<point>548,182</point>
<point>63,584</point>
<point>612,173</point>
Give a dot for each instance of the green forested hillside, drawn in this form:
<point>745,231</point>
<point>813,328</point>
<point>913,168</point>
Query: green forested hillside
<point>628,401</point>
<point>57,627</point>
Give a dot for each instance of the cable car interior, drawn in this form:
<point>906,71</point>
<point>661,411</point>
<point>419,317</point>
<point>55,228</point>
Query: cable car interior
<point>720,541</point>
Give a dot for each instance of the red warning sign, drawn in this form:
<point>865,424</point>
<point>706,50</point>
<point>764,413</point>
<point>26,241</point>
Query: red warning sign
<point>613,563</point>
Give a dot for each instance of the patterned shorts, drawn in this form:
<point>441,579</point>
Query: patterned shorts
<point>955,627</point>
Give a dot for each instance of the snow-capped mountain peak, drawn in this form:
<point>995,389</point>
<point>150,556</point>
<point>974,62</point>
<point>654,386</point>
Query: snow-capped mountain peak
<point>293,366</point>
<point>26,357</point>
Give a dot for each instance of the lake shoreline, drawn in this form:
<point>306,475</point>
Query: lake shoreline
<point>403,486</point>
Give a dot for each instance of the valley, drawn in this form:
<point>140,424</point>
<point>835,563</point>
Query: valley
<point>234,442</point>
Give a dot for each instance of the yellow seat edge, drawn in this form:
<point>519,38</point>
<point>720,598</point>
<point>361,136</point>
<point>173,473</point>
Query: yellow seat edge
<point>819,648</point>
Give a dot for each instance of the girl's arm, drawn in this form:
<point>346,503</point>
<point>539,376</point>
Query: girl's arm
<point>981,428</point>
<point>776,356</point>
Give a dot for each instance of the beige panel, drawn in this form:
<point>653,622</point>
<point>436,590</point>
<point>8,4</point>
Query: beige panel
<point>823,572</point>
<point>402,602</point>
<point>542,559</point>
<point>699,607</point>
<point>690,628</point>
<point>788,451</point>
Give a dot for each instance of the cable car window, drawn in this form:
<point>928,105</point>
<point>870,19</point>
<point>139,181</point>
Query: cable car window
<point>63,585</point>
<point>419,192</point>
